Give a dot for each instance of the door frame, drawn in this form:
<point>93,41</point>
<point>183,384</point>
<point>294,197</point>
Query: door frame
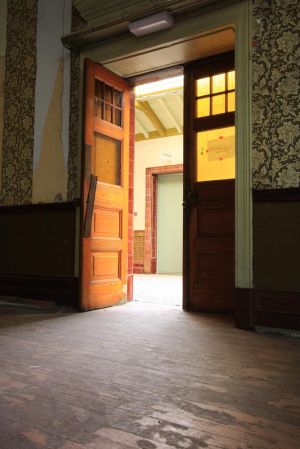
<point>238,15</point>
<point>150,248</point>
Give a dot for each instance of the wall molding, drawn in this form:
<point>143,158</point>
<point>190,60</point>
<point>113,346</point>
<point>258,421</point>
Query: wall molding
<point>243,310</point>
<point>276,195</point>
<point>61,289</point>
<point>39,207</point>
<point>150,251</point>
<point>267,308</point>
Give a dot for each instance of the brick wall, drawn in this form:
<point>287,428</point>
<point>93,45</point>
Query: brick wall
<point>139,248</point>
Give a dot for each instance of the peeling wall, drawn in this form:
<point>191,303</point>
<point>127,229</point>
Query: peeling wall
<point>52,103</point>
<point>39,115</point>
<point>50,174</point>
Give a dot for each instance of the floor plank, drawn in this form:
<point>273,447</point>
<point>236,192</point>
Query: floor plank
<point>143,376</point>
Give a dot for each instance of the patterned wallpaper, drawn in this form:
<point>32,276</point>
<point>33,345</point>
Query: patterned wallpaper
<point>275,100</point>
<point>19,102</point>
<point>77,24</point>
<point>275,97</point>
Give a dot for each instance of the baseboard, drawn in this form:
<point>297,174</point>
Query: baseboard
<point>243,310</point>
<point>138,268</point>
<point>267,308</point>
<point>61,289</point>
<point>277,309</point>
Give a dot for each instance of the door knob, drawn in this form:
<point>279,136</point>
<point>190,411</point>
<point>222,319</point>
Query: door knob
<point>190,200</point>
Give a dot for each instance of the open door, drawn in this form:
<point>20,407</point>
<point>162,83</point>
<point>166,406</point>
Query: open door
<point>104,221</point>
<point>209,195</point>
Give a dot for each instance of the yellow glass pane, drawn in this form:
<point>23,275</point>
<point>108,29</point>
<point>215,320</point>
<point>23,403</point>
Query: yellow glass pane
<point>231,102</point>
<point>231,80</point>
<point>203,87</point>
<point>203,107</point>
<point>218,104</point>
<point>107,159</point>
<point>215,154</point>
<point>218,83</point>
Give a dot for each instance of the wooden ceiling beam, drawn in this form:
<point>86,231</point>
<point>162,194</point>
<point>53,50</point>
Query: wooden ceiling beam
<point>171,116</point>
<point>142,127</point>
<point>179,101</point>
<point>145,107</point>
<point>155,135</point>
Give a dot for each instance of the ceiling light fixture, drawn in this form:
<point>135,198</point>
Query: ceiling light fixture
<point>155,87</point>
<point>151,24</point>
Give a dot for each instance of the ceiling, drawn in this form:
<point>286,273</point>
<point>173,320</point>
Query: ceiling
<point>172,54</point>
<point>159,115</point>
<point>109,19</point>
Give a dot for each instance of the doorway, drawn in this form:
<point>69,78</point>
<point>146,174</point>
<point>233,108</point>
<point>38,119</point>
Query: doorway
<point>238,15</point>
<point>169,224</point>
<point>158,191</point>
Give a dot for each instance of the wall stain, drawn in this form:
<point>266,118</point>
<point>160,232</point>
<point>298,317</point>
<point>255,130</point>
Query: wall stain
<point>50,175</point>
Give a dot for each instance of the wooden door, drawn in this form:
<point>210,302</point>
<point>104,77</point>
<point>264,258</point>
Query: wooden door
<point>104,227</point>
<point>209,194</point>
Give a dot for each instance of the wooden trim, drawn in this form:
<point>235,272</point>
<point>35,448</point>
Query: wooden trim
<point>118,28</point>
<point>214,121</point>
<point>90,206</point>
<point>277,309</point>
<point>188,174</point>
<point>157,75</point>
<point>62,289</point>
<point>276,195</point>
<point>213,64</point>
<point>243,310</point>
<point>150,250</point>
<point>130,287</point>
<point>267,308</point>
<point>39,207</point>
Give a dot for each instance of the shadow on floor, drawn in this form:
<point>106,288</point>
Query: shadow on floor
<point>20,311</point>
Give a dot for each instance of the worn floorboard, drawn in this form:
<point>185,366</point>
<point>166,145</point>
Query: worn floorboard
<point>142,376</point>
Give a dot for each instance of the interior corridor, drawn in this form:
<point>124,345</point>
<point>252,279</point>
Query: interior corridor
<point>140,376</point>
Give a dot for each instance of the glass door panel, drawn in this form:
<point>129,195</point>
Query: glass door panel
<point>107,159</point>
<point>215,154</point>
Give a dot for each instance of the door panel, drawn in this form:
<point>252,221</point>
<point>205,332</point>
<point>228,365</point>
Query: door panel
<point>209,184</point>
<point>212,247</point>
<point>106,156</point>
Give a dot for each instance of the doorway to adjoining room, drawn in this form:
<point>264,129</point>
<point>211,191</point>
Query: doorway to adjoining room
<point>158,192</point>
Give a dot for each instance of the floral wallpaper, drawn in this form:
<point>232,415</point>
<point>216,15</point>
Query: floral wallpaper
<point>19,102</point>
<point>275,99</point>
<point>77,24</point>
<point>275,94</point>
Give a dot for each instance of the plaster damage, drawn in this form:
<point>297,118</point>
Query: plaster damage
<point>52,93</point>
<point>51,175</point>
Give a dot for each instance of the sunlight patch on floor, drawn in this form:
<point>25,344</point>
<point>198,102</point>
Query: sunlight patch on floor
<point>160,289</point>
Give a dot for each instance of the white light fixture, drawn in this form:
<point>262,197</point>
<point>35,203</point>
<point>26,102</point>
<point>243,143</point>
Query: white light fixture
<point>168,84</point>
<point>151,24</point>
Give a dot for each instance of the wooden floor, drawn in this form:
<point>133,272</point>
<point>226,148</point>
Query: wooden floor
<point>147,377</point>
